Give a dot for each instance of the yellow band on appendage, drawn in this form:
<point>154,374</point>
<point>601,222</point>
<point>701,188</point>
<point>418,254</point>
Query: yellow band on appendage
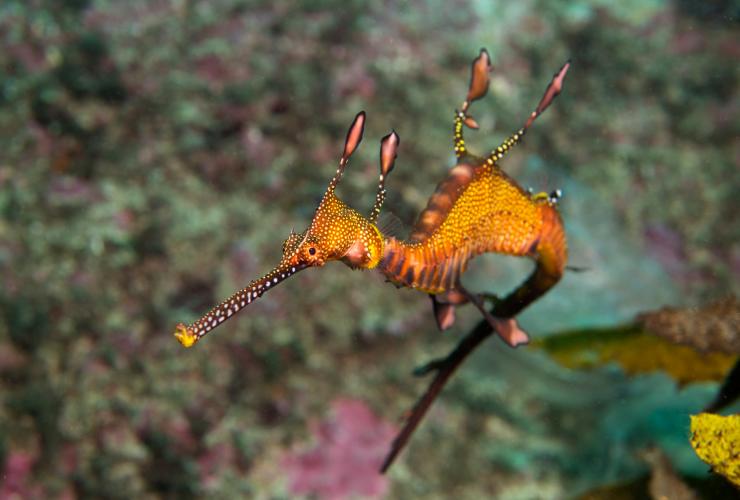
<point>185,336</point>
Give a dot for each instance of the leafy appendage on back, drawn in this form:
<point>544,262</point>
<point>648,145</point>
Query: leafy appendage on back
<point>479,209</point>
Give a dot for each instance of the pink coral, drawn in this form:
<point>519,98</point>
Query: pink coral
<point>345,461</point>
<point>212,461</point>
<point>16,475</point>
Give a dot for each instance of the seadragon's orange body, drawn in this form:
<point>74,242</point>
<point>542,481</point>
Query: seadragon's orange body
<point>477,209</point>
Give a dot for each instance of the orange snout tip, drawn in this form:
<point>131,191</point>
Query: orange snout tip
<point>185,335</point>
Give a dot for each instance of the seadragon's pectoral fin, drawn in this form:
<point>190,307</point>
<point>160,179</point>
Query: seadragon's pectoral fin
<point>444,305</point>
<point>444,313</point>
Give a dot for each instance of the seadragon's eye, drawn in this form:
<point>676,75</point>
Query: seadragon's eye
<point>312,253</point>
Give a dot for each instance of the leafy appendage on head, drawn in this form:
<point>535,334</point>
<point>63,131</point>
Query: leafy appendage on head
<point>337,232</point>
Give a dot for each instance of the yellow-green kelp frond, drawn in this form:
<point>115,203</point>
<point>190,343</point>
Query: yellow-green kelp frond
<point>637,352</point>
<point>716,440</point>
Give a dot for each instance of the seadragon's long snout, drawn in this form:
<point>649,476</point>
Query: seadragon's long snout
<point>328,238</point>
<point>189,335</point>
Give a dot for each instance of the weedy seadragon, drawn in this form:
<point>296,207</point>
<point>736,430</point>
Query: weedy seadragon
<point>477,209</point>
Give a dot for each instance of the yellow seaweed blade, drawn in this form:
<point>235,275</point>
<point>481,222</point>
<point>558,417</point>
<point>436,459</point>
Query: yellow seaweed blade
<point>637,352</point>
<point>716,440</point>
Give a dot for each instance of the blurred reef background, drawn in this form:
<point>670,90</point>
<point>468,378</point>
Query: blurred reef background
<point>154,154</point>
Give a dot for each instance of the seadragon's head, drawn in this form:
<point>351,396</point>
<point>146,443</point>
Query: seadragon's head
<point>337,232</point>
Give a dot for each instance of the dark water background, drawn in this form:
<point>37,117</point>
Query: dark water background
<point>154,155</point>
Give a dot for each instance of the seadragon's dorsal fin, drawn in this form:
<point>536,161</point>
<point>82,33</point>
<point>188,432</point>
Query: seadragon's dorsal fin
<point>442,201</point>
